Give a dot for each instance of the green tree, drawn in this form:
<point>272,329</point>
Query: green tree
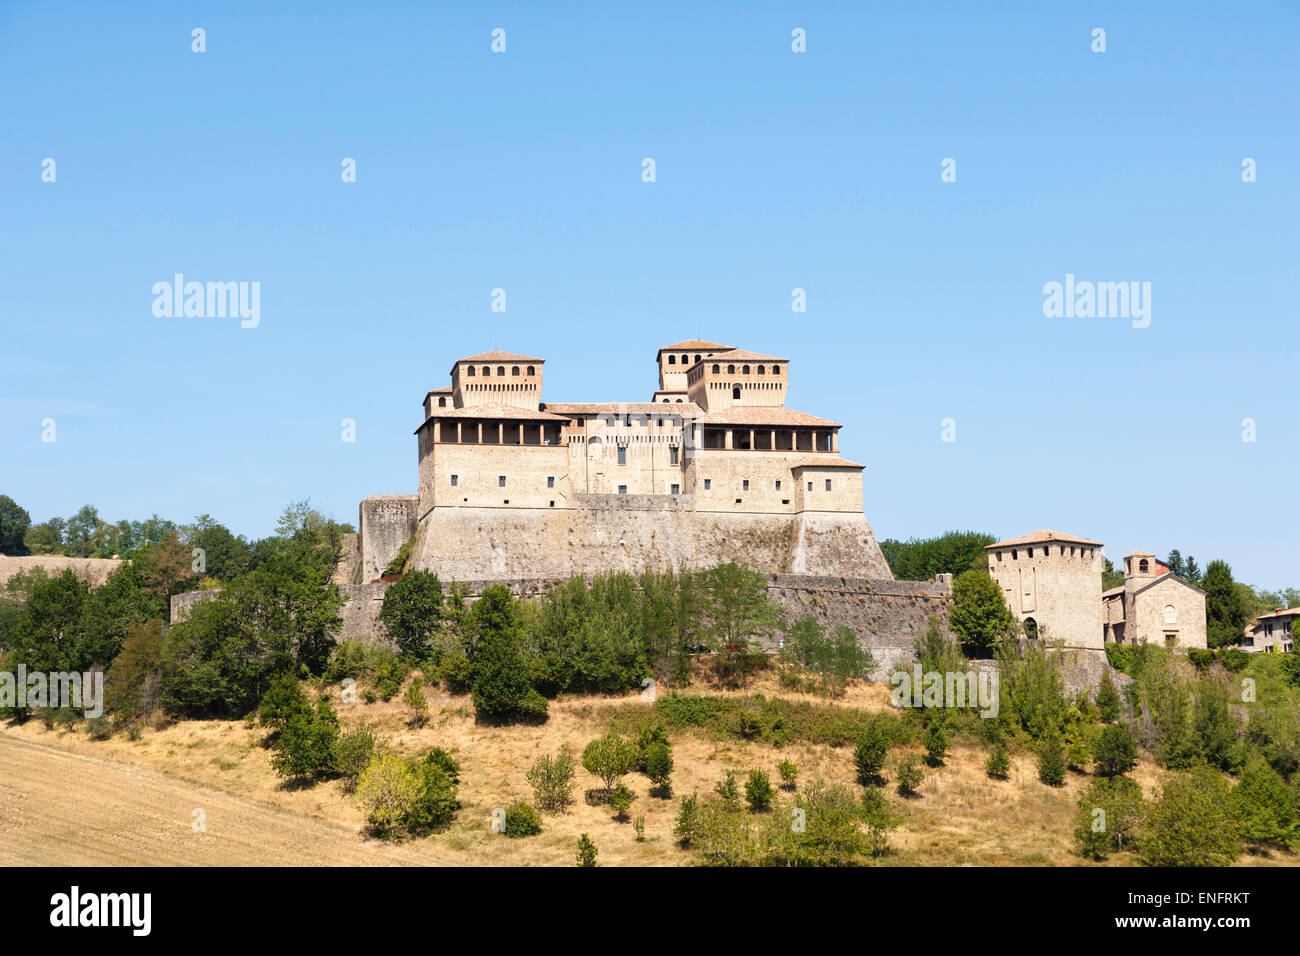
<point>1265,808</point>
<point>552,780</point>
<point>1225,609</point>
<point>872,749</point>
<point>499,681</point>
<point>586,852</point>
<point>132,684</point>
<point>979,612</point>
<point>14,522</point>
<point>1107,699</point>
<point>1051,761</point>
<point>388,790</point>
<point>46,537</point>
<point>1115,751</point>
<point>1191,823</point>
<point>737,611</point>
<point>412,613</point>
<point>609,758</point>
<point>758,791</point>
<point>954,552</point>
<point>305,745</point>
<point>415,700</point>
<point>1109,817</point>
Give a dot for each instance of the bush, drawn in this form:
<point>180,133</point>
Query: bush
<point>415,700</point>
<point>437,802</point>
<point>99,728</point>
<point>283,700</point>
<point>998,765</point>
<point>522,820</point>
<point>609,758</point>
<point>935,742</point>
<point>352,754</point>
<point>789,773</point>
<point>1265,808</point>
<point>387,790</point>
<point>454,672</point>
<point>909,775</point>
<point>1200,657</point>
<point>1051,761</point>
<point>1115,752</point>
<point>620,800</point>
<point>586,851</point>
<point>659,766</point>
<point>1234,658</point>
<point>688,818</point>
<point>872,749</point>
<point>758,791</point>
<point>1107,699</point>
<point>728,790</point>
<point>552,780</point>
<point>412,612</point>
<point>1109,815</point>
<point>1190,824</point>
<point>305,745</point>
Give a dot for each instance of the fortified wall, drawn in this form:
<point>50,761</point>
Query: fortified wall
<point>94,571</point>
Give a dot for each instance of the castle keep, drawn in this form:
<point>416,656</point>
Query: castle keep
<point>715,467</point>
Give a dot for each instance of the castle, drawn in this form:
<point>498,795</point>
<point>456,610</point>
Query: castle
<point>715,467</point>
<point>1052,583</point>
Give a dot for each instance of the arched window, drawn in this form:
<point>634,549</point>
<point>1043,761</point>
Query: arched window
<point>760,370</point>
<point>471,371</point>
<point>717,369</point>
<point>442,403</point>
<point>501,370</point>
<point>672,360</point>
<point>487,370</point>
<point>776,370</point>
<point>665,401</point>
<point>735,393</point>
<point>514,370</point>
<point>532,370</point>
<point>1143,566</point>
<point>744,370</point>
<point>1171,614</point>
<point>731,370</point>
<point>1031,628</point>
<point>697,358</point>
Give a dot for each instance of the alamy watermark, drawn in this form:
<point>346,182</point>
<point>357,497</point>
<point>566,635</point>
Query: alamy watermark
<point>948,689</point>
<point>1098,300</point>
<point>208,300</point>
<point>53,689</point>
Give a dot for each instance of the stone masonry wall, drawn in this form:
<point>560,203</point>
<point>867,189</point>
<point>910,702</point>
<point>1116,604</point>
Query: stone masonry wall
<point>94,571</point>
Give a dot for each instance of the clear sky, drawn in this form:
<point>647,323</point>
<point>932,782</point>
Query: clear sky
<point>775,170</point>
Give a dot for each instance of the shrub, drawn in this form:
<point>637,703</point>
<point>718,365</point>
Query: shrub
<point>1107,699</point>
<point>879,821</point>
<point>728,790</point>
<point>305,745</point>
<point>454,672</point>
<point>388,789</point>
<point>620,800</point>
<point>522,820</point>
<point>688,817</point>
<point>789,773</point>
<point>1234,658</point>
<point>609,758</point>
<point>415,700</point>
<point>1265,809</point>
<point>412,612</point>
<point>872,749</point>
<point>1109,815</point>
<point>909,775</point>
<point>586,851</point>
<point>1115,752</point>
<point>552,780</point>
<point>1077,752</point>
<point>284,699</point>
<point>758,791</point>
<point>1051,761</point>
<point>444,762</point>
<point>1190,824</point>
<point>638,824</point>
<point>649,737</point>
<point>437,802</point>
<point>352,754</point>
<point>935,742</point>
<point>998,765</point>
<point>1200,657</point>
<point>659,766</point>
<point>99,728</point>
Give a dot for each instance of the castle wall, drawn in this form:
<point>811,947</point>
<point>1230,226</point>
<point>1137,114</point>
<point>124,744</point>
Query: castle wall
<point>606,533</point>
<point>385,522</point>
<point>94,571</point>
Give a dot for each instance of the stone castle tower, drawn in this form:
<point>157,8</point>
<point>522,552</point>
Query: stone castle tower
<point>1052,583</point>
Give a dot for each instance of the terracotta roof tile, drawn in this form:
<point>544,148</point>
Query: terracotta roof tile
<point>1034,537</point>
<point>827,461</point>
<point>498,356</point>
<point>777,415</point>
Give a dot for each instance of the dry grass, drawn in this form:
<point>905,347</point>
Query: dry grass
<point>132,799</point>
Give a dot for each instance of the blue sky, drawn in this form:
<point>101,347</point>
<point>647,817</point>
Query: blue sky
<point>775,170</point>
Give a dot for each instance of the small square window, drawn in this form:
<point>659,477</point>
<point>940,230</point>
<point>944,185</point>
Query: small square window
<point>501,481</point>
<point>550,481</point>
<point>677,489</point>
<point>744,485</point>
<point>778,484</point>
<point>622,489</point>
<point>454,479</point>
